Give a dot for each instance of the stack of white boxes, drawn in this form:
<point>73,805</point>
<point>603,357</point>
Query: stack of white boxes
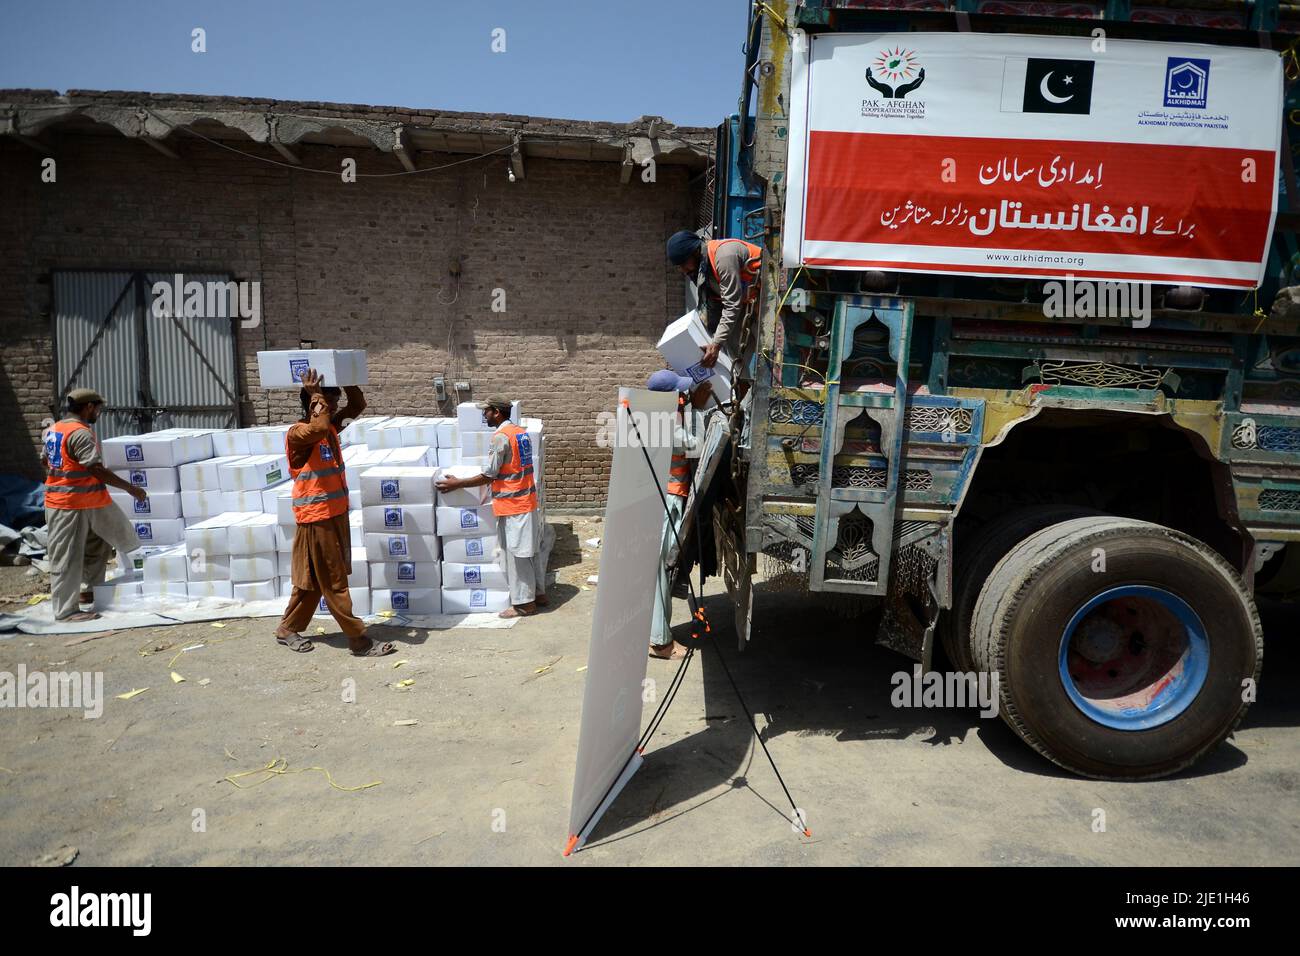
<point>401,545</point>
<point>219,519</point>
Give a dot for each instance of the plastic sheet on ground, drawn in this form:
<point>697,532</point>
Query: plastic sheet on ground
<point>160,612</point>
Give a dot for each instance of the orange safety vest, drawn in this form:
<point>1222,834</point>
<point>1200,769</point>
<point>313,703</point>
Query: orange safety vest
<point>749,271</point>
<point>320,486</point>
<point>514,492</point>
<point>69,486</point>
<point>679,469</point>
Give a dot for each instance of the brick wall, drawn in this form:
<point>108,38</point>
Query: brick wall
<point>363,265</point>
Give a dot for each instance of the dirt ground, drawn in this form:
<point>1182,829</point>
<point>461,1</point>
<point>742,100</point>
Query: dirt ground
<point>485,776</point>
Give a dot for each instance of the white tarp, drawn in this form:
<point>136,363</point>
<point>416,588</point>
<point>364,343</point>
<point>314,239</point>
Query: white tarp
<point>620,629</point>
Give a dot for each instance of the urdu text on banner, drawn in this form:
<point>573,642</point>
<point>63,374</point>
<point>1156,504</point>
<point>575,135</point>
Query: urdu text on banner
<point>1040,157</point>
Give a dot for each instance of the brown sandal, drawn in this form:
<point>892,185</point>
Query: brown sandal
<point>374,649</point>
<point>295,642</point>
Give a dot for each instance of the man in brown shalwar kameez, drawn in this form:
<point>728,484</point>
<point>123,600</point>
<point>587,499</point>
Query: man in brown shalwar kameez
<point>322,542</point>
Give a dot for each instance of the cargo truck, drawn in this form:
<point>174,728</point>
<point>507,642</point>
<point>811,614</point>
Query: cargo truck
<point>1086,505</point>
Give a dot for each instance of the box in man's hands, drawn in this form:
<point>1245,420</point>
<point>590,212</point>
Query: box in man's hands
<point>338,367</point>
<point>680,346</point>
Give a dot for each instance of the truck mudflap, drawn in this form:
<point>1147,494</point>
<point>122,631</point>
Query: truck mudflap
<point>736,567</point>
<point>918,590</point>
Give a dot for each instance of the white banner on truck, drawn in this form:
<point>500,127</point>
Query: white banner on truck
<point>620,627</point>
<point>1040,157</point>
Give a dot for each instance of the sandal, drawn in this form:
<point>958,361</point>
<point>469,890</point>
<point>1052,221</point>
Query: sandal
<point>676,654</point>
<point>79,617</point>
<point>374,649</point>
<point>517,610</point>
<point>295,642</point>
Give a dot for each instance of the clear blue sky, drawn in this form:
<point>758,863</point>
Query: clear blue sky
<point>583,59</point>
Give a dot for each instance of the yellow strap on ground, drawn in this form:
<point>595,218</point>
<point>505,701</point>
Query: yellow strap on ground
<point>280,766</point>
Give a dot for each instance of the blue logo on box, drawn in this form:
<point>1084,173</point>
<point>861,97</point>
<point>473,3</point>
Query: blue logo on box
<point>140,478</point>
<point>142,507</point>
<point>134,453</point>
<point>699,373</point>
<point>406,571</point>
<point>473,574</point>
<point>297,367</point>
<point>401,601</point>
<point>1187,82</point>
<point>322,606</point>
<point>144,531</point>
<point>390,489</point>
<point>468,518</point>
<point>397,545</point>
<point>478,598</point>
<point>474,546</point>
<point>393,518</point>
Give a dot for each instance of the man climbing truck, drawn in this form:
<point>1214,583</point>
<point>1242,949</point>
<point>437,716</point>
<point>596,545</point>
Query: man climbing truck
<point>1015,387</point>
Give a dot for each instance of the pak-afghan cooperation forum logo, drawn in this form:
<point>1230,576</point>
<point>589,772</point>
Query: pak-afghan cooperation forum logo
<point>894,74</point>
<point>1187,83</point>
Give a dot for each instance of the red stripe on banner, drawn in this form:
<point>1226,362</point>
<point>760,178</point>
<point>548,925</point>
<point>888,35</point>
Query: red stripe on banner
<point>1164,277</point>
<point>1190,202</point>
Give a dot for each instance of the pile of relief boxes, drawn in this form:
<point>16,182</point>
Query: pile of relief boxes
<point>219,523</point>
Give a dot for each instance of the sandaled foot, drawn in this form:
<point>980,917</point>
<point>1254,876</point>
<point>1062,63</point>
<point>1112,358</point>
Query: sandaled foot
<point>295,642</point>
<point>519,610</point>
<point>373,648</point>
<point>668,652</point>
<point>79,617</point>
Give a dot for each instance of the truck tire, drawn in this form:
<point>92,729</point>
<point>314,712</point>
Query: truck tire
<point>1121,647</point>
<point>976,559</point>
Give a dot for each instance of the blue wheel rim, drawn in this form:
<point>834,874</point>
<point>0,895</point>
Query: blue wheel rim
<point>1163,685</point>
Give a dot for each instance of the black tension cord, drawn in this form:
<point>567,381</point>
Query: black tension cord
<point>697,614</point>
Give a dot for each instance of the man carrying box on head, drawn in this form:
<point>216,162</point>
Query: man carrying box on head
<point>82,524</point>
<point>686,437</point>
<point>322,541</point>
<point>514,502</point>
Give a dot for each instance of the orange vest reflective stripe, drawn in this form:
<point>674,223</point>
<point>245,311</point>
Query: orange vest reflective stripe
<point>69,486</point>
<point>320,486</point>
<point>749,271</point>
<point>679,477</point>
<point>514,492</point>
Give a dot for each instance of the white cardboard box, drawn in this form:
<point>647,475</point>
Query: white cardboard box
<point>123,593</point>
<point>449,433</point>
<point>205,475</point>
<point>159,530</point>
<point>284,369</point>
<point>405,574</point>
<point>398,519</point>
<point>472,522</point>
<point>152,479</point>
<point>254,473</point>
<point>266,439</point>
<point>212,536</point>
<point>469,417</point>
<point>387,434</point>
<point>164,449</point>
<point>243,501</point>
<point>170,564</point>
<point>398,485</point>
<point>360,576</point>
<point>254,567</point>
<point>213,589</point>
<point>449,457</point>
<point>198,506</point>
<point>401,547</point>
<point>680,346</point>
<point>255,590</point>
<point>160,504</point>
<point>491,576</point>
<point>416,456</point>
<point>254,535</point>
<point>405,600</point>
<point>466,550</point>
<point>230,441</point>
<point>473,600</point>
<point>207,567</point>
<point>421,431</point>
<point>475,497</point>
<point>165,589</point>
<point>360,603</point>
<point>271,498</point>
<point>476,444</point>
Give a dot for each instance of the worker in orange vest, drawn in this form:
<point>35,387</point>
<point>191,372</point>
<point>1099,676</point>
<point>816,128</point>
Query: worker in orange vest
<point>520,523</point>
<point>83,526</point>
<point>687,437</point>
<point>727,274</point>
<point>322,538</point>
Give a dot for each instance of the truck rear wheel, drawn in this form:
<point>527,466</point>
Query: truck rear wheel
<point>976,559</point>
<point>1121,648</point>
